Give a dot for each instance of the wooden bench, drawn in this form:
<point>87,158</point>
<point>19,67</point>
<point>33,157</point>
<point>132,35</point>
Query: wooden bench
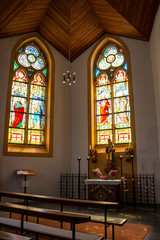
<point>48,214</point>
<point>107,221</point>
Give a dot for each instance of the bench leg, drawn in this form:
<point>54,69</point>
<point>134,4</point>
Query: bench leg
<point>22,221</point>
<point>112,231</point>
<point>73,230</point>
<point>105,223</point>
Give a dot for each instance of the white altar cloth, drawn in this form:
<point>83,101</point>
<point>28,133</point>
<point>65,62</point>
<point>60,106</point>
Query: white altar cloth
<point>103,182</point>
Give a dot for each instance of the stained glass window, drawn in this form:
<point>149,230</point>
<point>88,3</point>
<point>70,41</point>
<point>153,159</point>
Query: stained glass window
<point>113,116</point>
<point>27,120</point>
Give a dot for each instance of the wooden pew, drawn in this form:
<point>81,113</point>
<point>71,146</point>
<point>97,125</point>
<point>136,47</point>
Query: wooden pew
<point>72,218</point>
<point>107,221</point>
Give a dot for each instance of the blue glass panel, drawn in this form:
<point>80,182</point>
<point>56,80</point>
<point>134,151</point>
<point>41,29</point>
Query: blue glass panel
<point>22,58</point>
<point>32,50</point>
<point>125,66</point>
<point>15,65</point>
<point>39,64</point>
<point>97,71</point>
<point>45,72</point>
<point>103,64</point>
<point>118,61</point>
<point>110,50</point>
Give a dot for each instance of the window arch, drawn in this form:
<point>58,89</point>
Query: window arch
<point>111,113</point>
<point>29,123</point>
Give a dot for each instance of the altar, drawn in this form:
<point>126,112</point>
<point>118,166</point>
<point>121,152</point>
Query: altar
<point>104,190</point>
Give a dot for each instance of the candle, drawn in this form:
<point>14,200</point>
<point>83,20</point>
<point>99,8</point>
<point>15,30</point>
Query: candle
<point>121,156</point>
<point>90,147</point>
<point>129,145</point>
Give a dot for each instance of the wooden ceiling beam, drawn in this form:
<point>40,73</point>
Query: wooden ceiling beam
<point>139,13</point>
<point>10,9</point>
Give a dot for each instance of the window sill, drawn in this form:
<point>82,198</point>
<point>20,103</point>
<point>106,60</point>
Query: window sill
<point>27,151</point>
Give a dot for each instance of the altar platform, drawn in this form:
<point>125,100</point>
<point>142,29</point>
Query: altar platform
<point>104,190</point>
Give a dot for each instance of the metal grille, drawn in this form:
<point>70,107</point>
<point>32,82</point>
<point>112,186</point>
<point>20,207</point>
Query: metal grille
<point>73,185</point>
<point>136,189</point>
<point>139,189</point>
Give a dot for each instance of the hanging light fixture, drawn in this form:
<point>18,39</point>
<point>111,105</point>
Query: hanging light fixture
<point>69,77</point>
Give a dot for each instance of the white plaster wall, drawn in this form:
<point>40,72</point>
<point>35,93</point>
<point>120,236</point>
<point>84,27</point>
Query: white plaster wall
<point>144,108</point>
<point>155,56</point>
<point>47,170</point>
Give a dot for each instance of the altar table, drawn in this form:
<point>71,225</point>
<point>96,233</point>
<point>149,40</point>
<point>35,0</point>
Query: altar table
<point>104,190</point>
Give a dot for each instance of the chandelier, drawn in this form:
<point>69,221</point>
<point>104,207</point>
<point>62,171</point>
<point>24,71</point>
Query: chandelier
<point>69,77</point>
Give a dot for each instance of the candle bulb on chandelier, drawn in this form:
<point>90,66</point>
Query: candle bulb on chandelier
<point>68,75</point>
<point>74,77</point>
<point>64,77</point>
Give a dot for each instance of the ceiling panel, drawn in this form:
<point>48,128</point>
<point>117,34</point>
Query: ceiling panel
<point>80,22</point>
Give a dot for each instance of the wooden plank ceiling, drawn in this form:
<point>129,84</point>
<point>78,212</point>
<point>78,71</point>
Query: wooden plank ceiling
<point>81,22</point>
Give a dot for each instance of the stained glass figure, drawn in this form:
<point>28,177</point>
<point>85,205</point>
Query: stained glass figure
<point>121,104</point>
<point>37,112</point>
<point>121,76</point>
<point>106,124</point>
<point>122,120</point>
<point>103,109</point>
<point>102,80</point>
<point>103,92</point>
<point>38,79</point>
<point>120,89</point>
<point>18,108</point>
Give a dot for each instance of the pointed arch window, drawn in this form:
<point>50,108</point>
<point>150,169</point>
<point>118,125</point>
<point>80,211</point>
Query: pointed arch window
<point>110,95</point>
<point>30,98</point>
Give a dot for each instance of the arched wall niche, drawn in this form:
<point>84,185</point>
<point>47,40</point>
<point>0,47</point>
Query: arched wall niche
<point>31,150</point>
<point>92,142</point>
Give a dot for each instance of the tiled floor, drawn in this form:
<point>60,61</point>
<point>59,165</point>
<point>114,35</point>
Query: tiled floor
<point>138,215</point>
<point>144,216</point>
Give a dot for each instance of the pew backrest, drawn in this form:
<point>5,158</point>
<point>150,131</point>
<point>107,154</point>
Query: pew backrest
<point>45,213</point>
<point>57,200</point>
